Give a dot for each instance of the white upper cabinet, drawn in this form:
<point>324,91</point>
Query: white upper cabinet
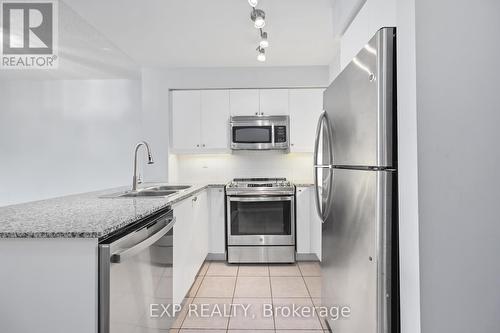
<point>273,102</point>
<point>215,119</point>
<point>200,118</point>
<point>244,102</point>
<point>305,107</point>
<point>186,119</point>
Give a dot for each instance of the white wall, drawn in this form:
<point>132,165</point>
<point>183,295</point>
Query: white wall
<point>407,169</point>
<point>374,14</point>
<point>59,137</point>
<point>458,100</point>
<point>156,84</point>
<point>221,168</point>
<point>48,285</point>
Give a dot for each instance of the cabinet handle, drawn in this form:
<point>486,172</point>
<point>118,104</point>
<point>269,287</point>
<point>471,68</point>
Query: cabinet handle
<point>203,145</point>
<point>195,198</point>
<point>197,145</point>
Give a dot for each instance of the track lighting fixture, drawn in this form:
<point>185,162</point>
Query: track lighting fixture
<point>258,17</point>
<point>262,54</point>
<point>263,39</point>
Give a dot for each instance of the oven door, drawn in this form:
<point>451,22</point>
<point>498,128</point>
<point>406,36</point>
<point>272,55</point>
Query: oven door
<point>249,136</point>
<point>261,220</point>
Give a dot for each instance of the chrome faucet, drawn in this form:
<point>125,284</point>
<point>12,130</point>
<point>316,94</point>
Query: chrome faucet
<point>150,161</point>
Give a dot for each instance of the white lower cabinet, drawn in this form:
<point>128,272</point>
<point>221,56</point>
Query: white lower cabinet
<point>308,223</point>
<point>303,203</point>
<point>190,242</point>
<point>217,232</point>
<point>316,225</point>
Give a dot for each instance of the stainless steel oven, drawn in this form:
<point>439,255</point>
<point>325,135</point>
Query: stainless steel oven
<point>260,221</point>
<point>260,132</point>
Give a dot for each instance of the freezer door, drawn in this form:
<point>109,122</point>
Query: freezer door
<point>356,251</point>
<point>360,106</point>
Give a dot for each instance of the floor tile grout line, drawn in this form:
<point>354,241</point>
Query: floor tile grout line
<point>312,302</point>
<point>196,293</point>
<point>197,289</point>
<point>232,299</point>
<point>272,298</point>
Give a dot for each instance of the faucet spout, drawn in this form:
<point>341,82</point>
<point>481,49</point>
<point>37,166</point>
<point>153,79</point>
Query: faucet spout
<point>150,161</point>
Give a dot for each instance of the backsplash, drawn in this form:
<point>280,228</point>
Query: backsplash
<point>224,167</point>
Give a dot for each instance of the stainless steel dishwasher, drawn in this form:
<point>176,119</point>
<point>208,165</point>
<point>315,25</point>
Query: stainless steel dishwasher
<point>135,276</point>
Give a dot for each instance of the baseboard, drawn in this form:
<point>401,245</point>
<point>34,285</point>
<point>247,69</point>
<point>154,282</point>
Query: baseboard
<point>306,257</point>
<point>216,256</point>
<point>298,256</point>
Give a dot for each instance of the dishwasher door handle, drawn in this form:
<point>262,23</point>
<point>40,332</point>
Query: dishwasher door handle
<point>118,256</point>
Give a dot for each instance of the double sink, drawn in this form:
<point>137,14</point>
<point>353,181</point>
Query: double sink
<point>155,191</point>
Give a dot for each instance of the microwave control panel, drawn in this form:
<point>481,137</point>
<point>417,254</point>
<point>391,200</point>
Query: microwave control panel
<point>280,134</point>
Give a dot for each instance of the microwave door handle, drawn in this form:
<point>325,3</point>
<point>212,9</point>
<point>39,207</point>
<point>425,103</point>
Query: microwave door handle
<point>272,135</point>
<point>121,255</point>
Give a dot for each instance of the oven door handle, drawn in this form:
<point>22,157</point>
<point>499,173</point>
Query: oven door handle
<point>118,256</point>
<point>261,198</point>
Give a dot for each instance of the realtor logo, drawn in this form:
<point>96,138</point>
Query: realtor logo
<point>29,34</point>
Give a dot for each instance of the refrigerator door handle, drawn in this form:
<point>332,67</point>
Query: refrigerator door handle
<point>323,211</point>
<point>316,141</point>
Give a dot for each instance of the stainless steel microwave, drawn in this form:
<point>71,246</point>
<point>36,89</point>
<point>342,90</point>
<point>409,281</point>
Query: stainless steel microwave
<point>260,132</point>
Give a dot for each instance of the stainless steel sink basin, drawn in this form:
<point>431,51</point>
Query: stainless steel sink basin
<point>150,192</point>
<point>147,193</point>
<point>170,188</point>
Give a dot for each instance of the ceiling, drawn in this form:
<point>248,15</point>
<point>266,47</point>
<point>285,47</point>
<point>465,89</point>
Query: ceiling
<point>200,33</point>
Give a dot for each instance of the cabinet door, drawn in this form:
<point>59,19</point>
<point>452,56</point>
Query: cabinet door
<point>303,220</point>
<point>305,108</point>
<point>215,119</point>
<point>316,226</point>
<point>274,102</point>
<point>217,241</point>
<point>200,229</point>
<point>184,237</point>
<point>186,105</point>
<point>244,102</point>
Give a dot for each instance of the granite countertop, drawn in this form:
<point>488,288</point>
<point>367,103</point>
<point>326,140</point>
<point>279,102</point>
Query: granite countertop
<point>85,215</point>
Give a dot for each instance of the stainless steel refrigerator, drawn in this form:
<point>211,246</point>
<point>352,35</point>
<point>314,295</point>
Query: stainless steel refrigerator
<point>356,191</point>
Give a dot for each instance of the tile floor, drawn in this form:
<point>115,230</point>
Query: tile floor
<point>218,285</point>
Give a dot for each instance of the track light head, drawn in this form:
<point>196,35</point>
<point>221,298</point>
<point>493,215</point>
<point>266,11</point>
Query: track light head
<point>264,42</point>
<point>258,17</point>
<point>253,3</point>
<point>262,54</point>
